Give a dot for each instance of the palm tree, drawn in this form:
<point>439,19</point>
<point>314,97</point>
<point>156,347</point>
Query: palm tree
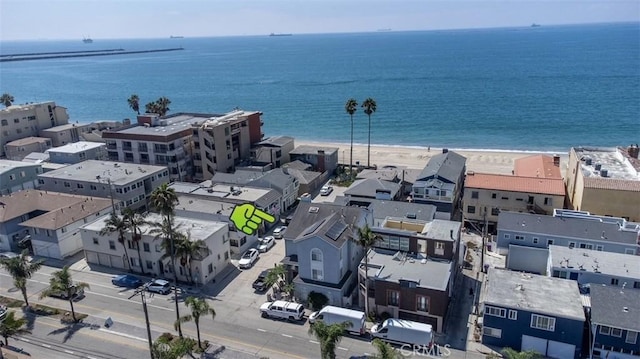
<point>164,200</point>
<point>6,99</point>
<point>275,276</point>
<point>199,308</point>
<point>151,107</point>
<point>134,221</point>
<point>20,270</point>
<point>118,224</point>
<point>369,106</point>
<point>134,103</point>
<point>351,107</point>
<point>509,353</point>
<point>385,350</point>
<point>11,326</point>
<point>188,250</point>
<point>61,282</point>
<point>164,348</point>
<point>366,239</point>
<point>163,105</point>
<point>329,336</point>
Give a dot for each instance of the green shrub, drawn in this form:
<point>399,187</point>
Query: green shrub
<point>317,300</point>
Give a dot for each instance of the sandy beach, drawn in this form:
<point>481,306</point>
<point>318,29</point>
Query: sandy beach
<point>411,157</point>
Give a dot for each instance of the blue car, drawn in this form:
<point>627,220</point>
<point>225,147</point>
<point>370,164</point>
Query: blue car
<point>126,280</point>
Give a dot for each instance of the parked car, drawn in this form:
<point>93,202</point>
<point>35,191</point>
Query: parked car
<point>260,283</point>
<point>158,286</point>
<point>77,292</point>
<point>282,310</point>
<point>326,190</point>
<point>248,258</point>
<point>127,280</point>
<point>266,243</point>
<point>278,233</point>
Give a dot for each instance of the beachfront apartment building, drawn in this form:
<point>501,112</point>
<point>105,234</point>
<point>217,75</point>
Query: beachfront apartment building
<point>486,195</point>
<point>65,134</point>
<point>148,257</point>
<point>614,323</point>
<point>17,176</point>
<point>20,121</point>
<point>604,181</point>
<point>322,159</point>
<point>128,184</point>
<point>222,142</point>
<point>19,149</point>
<point>517,313</point>
<point>76,152</point>
<point>440,183</point>
<point>570,229</point>
<point>47,222</point>
<point>273,151</point>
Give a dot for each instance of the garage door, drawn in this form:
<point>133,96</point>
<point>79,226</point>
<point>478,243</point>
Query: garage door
<point>92,257</point>
<point>560,350</point>
<point>535,344</point>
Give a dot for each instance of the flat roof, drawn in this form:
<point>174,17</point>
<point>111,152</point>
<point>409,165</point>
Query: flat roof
<point>174,124</point>
<point>609,159</point>
<point>7,165</point>
<point>76,147</point>
<point>531,292</point>
<point>501,182</point>
<point>616,264</point>
<point>120,173</point>
<point>64,127</point>
<point>203,205</point>
<point>392,266</point>
<point>28,141</point>
<point>308,149</point>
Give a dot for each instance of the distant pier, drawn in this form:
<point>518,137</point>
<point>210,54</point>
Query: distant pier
<point>71,54</point>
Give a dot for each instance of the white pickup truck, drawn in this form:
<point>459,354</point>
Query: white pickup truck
<point>281,309</point>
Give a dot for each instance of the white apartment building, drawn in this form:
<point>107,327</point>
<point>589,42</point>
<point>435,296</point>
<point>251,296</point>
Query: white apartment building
<point>20,121</point>
<point>77,152</point>
<point>131,184</point>
<point>146,257</point>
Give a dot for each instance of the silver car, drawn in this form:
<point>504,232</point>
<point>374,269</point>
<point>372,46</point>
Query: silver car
<point>266,243</point>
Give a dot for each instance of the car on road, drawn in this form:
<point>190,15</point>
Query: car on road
<point>76,292</point>
<point>266,243</point>
<point>281,309</point>
<point>127,280</point>
<point>248,258</point>
<point>260,284</point>
<point>158,286</point>
<point>326,190</point>
<point>278,233</point>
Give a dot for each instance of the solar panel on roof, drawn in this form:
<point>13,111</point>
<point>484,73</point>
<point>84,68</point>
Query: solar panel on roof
<point>336,230</point>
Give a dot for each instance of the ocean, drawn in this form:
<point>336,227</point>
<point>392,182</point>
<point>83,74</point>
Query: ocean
<point>542,89</point>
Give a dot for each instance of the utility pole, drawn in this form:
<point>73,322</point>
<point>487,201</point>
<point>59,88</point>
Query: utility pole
<point>113,205</point>
<point>146,316</point>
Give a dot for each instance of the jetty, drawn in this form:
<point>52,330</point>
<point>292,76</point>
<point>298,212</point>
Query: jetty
<point>72,54</point>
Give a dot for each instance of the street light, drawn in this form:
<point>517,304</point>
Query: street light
<point>141,291</point>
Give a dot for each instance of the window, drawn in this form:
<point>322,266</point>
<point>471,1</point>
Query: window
<point>149,265</point>
<point>95,241</point>
<point>112,245</point>
<point>16,120</point>
<point>493,195</point>
<point>572,244</point>
<point>158,248</point>
<point>474,194</point>
<point>422,303</point>
<point>226,256</point>
<point>636,285</point>
<point>440,248</point>
<point>67,184</point>
<point>616,332</point>
<point>614,281</point>
<point>549,242</point>
<point>210,268</point>
<point>393,298</point>
<point>93,187</point>
<point>535,240</point>
<point>632,337</point>
<point>316,255</point>
<point>513,314</point>
<point>586,246</point>
<point>135,262</point>
<point>604,330</point>
<point>471,209</point>
<point>132,245</point>
<point>492,332</point>
<point>548,201</point>
<point>629,251</point>
<point>496,312</point>
<point>5,123</point>
<point>64,229</point>
<point>542,322</point>
<point>507,236</point>
<point>145,245</point>
<point>519,237</point>
<point>316,274</point>
<point>80,185</point>
<point>495,211</point>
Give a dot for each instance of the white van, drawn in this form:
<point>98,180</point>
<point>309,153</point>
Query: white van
<point>404,331</point>
<point>333,315</point>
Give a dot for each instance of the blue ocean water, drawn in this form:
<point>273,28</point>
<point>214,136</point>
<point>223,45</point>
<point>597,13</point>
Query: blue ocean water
<point>545,88</point>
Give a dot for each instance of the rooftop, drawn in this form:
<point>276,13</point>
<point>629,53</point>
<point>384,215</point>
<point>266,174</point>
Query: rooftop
<point>606,163</point>
<point>324,220</point>
<point>8,165</point>
<point>76,147</point>
<point>447,165</point>
<point>262,197</point>
<point>437,229</point>
<point>615,264</point>
<point>203,205</point>
<point>397,209</point>
<point>168,125</point>
<point>276,141</point>
<point>501,182</point>
<point>308,149</point>
<point>541,166</point>
<point>28,141</point>
<point>26,106</point>
<point>616,307</point>
<point>370,187</point>
<point>391,266</point>
<point>63,127</point>
<point>532,292</point>
<point>36,157</point>
<point>61,208</point>
<point>120,173</point>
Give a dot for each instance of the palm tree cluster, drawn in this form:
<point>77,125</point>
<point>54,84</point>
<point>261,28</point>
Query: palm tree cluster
<point>159,106</point>
<point>21,268</point>
<point>6,99</point>
<point>369,105</point>
<point>131,221</point>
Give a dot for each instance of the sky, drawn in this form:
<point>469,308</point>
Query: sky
<point>115,19</point>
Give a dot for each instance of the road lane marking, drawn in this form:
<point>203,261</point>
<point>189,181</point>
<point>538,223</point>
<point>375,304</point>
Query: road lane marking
<point>314,342</point>
<point>46,345</point>
<point>90,357</point>
<point>341,348</point>
<point>25,340</point>
<point>287,335</point>
<point>68,351</point>
<point>262,330</point>
<point>122,334</point>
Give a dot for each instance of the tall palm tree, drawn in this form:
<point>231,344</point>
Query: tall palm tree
<point>21,269</point>
<point>199,308</point>
<point>164,200</point>
<point>61,282</point>
<point>134,221</point>
<point>11,326</point>
<point>163,105</point>
<point>276,276</point>
<point>329,336</point>
<point>188,250</point>
<point>369,106</point>
<point>366,239</point>
<point>118,224</point>
<point>134,103</point>
<point>351,107</point>
<point>6,99</point>
<point>151,107</point>
<point>385,350</point>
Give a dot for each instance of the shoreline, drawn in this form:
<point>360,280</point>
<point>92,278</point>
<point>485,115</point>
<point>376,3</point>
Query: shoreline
<point>417,157</point>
